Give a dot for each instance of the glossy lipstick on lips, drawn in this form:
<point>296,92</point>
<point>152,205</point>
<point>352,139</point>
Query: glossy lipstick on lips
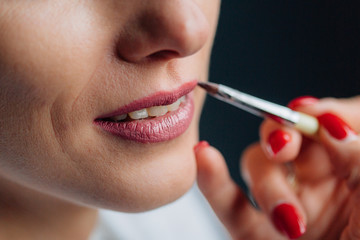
<point>153,129</point>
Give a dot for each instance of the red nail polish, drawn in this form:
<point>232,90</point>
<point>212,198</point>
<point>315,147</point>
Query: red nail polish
<point>335,126</point>
<point>287,220</point>
<point>302,101</point>
<point>201,144</point>
<point>277,140</point>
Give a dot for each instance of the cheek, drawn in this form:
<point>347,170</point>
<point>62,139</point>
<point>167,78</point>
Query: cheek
<point>40,66</point>
<point>50,50</point>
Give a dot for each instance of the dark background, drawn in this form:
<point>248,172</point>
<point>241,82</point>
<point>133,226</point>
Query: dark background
<point>278,50</point>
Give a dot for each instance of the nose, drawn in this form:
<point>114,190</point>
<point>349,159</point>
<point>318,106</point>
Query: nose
<point>164,30</point>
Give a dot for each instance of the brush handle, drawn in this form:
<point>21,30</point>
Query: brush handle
<point>304,123</point>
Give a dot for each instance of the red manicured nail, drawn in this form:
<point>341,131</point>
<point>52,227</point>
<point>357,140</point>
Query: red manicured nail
<point>335,126</point>
<point>277,140</point>
<point>201,144</point>
<point>287,220</point>
<point>302,101</point>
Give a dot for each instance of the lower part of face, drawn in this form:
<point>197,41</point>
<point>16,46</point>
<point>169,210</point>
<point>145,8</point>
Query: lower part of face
<point>65,64</point>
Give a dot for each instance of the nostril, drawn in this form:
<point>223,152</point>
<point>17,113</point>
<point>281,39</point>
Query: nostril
<point>164,55</point>
<point>163,31</point>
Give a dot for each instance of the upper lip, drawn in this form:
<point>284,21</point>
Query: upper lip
<point>157,99</point>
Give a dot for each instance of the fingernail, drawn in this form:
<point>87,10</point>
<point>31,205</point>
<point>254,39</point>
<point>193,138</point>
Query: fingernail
<point>201,144</point>
<point>335,126</point>
<point>287,220</point>
<point>302,101</point>
<point>277,140</point>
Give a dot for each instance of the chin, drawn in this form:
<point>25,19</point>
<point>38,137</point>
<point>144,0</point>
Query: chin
<point>141,181</point>
<point>151,189</point>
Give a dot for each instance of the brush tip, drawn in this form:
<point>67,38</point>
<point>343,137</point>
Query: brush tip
<point>209,87</point>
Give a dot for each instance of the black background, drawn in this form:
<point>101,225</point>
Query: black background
<point>278,50</point>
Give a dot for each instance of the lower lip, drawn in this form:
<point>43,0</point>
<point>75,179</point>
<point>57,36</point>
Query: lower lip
<point>153,130</point>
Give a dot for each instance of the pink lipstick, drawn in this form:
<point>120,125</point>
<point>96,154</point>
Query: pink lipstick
<point>159,117</point>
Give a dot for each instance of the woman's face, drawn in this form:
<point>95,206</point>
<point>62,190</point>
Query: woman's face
<point>70,71</point>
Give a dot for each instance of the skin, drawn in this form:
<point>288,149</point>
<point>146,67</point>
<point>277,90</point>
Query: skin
<point>64,63</point>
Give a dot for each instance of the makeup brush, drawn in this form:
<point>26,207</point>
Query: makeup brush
<point>304,123</point>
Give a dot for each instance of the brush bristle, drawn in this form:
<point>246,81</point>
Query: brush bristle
<point>209,87</point>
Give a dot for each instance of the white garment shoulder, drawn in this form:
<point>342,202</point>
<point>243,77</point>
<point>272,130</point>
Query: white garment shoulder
<point>188,218</point>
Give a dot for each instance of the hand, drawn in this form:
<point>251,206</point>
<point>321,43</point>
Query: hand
<point>327,192</point>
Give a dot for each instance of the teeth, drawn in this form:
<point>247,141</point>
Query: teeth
<point>120,117</point>
<point>139,114</point>
<point>155,111</point>
<point>174,106</point>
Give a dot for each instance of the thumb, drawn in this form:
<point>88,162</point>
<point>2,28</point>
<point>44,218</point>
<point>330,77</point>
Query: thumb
<point>343,146</point>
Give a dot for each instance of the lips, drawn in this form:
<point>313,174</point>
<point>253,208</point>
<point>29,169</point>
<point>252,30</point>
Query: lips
<point>151,129</point>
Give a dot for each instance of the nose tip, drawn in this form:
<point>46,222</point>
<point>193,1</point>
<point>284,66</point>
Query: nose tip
<point>170,29</point>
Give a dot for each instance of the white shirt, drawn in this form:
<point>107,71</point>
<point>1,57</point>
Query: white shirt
<point>188,218</point>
